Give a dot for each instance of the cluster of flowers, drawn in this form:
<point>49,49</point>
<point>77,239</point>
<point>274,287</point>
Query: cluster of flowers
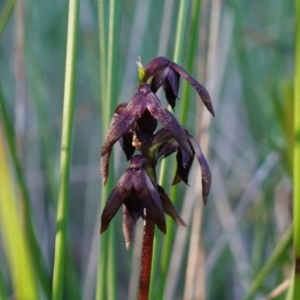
<point>134,126</point>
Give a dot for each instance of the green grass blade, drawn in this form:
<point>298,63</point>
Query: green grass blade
<point>296,163</point>
<point>180,30</point>
<point>277,253</point>
<point>102,47</point>
<point>192,51</point>
<point>3,292</point>
<point>65,160</point>
<point>106,277</point>
<point>36,253</point>
<point>15,244</point>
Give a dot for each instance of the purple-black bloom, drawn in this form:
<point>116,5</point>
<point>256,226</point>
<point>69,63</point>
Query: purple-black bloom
<point>167,74</point>
<point>134,125</point>
<point>169,145</point>
<point>137,191</point>
<point>139,134</point>
<point>137,121</point>
<point>144,100</point>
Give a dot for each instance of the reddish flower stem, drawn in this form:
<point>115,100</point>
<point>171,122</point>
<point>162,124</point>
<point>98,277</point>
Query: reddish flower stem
<point>146,260</point>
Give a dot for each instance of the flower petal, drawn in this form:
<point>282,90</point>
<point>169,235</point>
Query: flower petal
<point>105,166</point>
<point>159,78</point>
<point>105,158</point>
<point>168,121</point>
<point>139,162</point>
<point>116,198</point>
<point>160,137</point>
<point>134,205</point>
<point>124,121</point>
<point>205,170</point>
<point>184,163</point>
<point>150,198</point>
<point>169,207</point>
<point>167,148</point>
<point>157,64</point>
<point>146,125</point>
<point>201,90</point>
<point>128,225</point>
<point>171,87</point>
<point>126,145</point>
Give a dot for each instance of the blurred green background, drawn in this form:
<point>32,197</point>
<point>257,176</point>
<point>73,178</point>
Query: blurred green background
<point>243,53</point>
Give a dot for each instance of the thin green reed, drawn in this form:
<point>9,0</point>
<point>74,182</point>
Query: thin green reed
<point>36,253</point>
<point>103,54</point>
<point>102,263</point>
<point>65,159</point>
<point>3,291</point>
<point>296,163</point>
<point>277,254</point>
<point>21,273</point>
<point>106,278</point>
<point>192,52</point>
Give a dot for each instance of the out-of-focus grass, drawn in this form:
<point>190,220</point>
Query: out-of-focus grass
<point>16,246</point>
<point>295,285</point>
<point>4,16</point>
<point>243,53</point>
<point>109,51</point>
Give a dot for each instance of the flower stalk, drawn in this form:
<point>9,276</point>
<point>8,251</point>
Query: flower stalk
<point>146,261</point>
<point>134,127</point>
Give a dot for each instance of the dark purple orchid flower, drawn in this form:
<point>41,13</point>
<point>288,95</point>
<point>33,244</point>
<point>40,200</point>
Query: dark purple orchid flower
<point>144,100</point>
<point>167,74</point>
<point>140,133</point>
<point>137,191</point>
<point>140,117</point>
<point>169,145</point>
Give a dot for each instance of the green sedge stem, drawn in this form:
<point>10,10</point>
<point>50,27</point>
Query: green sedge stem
<point>277,253</point>
<point>29,226</point>
<point>296,164</point>
<point>106,271</point>
<point>65,159</point>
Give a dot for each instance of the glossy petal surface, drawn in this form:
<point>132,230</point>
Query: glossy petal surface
<point>126,145</point>
<point>159,78</point>
<point>169,207</point>
<point>168,121</point>
<point>124,121</point>
<point>167,148</point>
<point>145,127</point>
<point>116,198</point>
<point>150,198</point>
<point>134,205</point>
<point>160,137</point>
<point>105,166</point>
<point>127,227</point>
<point>158,64</point>
<point>171,87</point>
<point>201,90</point>
<point>205,170</point>
<point>184,163</point>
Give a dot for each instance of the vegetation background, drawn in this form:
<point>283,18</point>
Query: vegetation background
<point>237,247</point>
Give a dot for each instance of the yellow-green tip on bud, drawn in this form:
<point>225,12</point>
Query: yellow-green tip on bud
<point>141,70</point>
